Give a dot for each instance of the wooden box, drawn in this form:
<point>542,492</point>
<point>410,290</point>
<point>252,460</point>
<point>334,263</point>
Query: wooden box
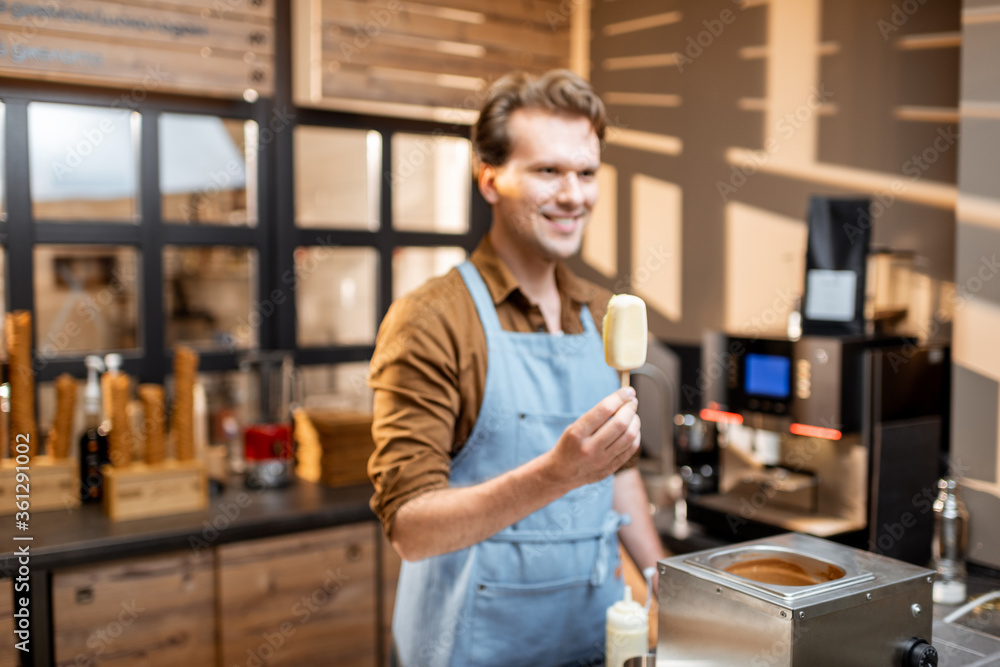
<point>53,485</point>
<point>141,491</point>
<point>141,612</point>
<point>301,600</point>
<point>345,443</point>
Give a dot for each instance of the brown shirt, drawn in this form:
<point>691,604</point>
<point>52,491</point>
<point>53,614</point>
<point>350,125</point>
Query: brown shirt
<point>428,372</point>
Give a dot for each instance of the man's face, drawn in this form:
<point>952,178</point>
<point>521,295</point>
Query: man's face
<point>544,194</point>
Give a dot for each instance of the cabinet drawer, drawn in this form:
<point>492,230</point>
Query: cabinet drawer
<point>8,654</point>
<point>391,562</point>
<point>145,612</point>
<point>300,600</point>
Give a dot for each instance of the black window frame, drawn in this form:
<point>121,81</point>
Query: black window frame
<point>274,237</point>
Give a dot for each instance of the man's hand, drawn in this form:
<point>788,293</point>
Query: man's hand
<point>598,443</point>
<point>590,449</point>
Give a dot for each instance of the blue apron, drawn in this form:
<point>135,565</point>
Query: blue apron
<point>534,594</point>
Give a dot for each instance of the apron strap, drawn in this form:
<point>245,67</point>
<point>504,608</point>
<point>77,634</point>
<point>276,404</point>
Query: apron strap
<point>587,320</point>
<point>608,541</point>
<point>481,297</point>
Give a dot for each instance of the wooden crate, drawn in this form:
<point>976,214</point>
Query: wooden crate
<point>141,612</point>
<point>345,440</point>
<point>141,491</point>
<point>53,485</point>
<point>301,600</point>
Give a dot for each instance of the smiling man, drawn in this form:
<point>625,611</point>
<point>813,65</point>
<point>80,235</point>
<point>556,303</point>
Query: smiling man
<point>501,467</point>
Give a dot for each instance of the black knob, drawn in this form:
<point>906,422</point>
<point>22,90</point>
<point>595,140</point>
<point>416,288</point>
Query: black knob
<point>918,653</point>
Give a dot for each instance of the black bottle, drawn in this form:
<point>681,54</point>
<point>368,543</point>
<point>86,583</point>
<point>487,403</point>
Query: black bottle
<point>94,441</point>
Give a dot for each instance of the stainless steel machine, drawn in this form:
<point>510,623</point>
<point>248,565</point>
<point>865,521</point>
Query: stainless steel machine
<point>838,437</point>
<point>793,600</point>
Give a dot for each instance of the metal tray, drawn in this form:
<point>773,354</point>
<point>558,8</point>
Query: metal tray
<point>825,575</point>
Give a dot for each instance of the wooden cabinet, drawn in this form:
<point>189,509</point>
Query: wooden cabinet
<point>8,654</point>
<point>304,599</point>
<point>300,600</point>
<point>390,563</point>
<point>144,612</point>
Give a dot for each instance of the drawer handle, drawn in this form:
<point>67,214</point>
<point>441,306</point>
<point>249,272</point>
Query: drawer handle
<point>354,552</point>
<point>85,595</point>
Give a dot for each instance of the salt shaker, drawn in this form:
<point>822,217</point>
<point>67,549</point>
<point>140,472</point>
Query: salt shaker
<point>951,532</point>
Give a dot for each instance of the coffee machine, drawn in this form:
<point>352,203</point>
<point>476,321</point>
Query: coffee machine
<point>834,436</point>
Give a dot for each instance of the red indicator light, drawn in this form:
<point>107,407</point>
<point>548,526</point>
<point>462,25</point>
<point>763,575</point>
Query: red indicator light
<point>815,431</point>
<point>720,416</point>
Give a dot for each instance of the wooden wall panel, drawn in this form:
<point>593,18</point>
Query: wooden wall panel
<point>415,59</point>
<point>975,433</point>
<point>770,102</point>
<point>205,47</point>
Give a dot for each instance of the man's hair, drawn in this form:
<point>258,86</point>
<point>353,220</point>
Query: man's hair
<point>558,91</point>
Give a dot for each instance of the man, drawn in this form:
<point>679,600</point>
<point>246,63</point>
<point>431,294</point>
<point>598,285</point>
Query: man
<point>498,426</point>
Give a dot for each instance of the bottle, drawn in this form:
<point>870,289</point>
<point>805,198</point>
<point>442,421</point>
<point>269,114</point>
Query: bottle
<point>951,533</point>
<point>94,441</point>
<point>627,631</point>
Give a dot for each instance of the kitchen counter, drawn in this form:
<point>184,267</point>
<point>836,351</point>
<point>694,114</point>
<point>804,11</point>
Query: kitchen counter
<point>974,639</point>
<point>84,535</point>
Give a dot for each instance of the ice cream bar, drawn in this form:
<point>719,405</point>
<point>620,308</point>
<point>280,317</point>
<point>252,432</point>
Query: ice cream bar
<point>625,334</point>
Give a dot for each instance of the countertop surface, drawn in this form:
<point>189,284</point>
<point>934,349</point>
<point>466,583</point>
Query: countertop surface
<point>974,639</point>
<point>84,534</point>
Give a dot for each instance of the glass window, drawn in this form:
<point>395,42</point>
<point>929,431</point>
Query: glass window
<point>86,299</point>
<point>411,267</point>
<point>431,183</point>
<point>208,168</point>
<point>335,295</point>
<point>337,175</point>
<point>3,162</point>
<point>336,387</point>
<point>208,292</point>
<point>3,302</point>
<point>228,397</point>
<point>83,162</point>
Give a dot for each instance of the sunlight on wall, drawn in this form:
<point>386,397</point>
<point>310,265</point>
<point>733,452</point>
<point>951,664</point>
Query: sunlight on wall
<point>765,268</point>
<point>600,244</point>
<point>657,263</point>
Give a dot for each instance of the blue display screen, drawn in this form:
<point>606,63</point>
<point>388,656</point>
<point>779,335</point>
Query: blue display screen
<point>767,375</point>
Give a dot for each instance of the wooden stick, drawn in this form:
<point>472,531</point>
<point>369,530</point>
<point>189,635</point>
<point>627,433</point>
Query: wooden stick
<point>63,423</point>
<point>182,415</point>
<point>624,375</point>
<point>22,381</point>
<point>121,436</point>
<point>153,422</point>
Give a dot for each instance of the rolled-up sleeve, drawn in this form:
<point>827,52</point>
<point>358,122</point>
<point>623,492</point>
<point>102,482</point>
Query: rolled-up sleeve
<point>414,377</point>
